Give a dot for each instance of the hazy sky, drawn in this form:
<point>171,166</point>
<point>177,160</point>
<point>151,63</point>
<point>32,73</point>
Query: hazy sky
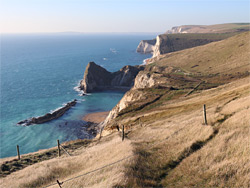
<point>116,15</point>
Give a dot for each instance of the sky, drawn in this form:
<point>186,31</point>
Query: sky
<point>36,16</point>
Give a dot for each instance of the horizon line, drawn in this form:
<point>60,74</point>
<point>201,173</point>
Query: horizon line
<point>79,32</point>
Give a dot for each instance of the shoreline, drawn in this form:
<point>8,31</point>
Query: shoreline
<point>95,117</point>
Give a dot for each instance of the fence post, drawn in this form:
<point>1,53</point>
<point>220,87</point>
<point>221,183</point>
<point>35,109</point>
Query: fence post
<point>59,183</point>
<point>123,134</point>
<point>18,153</point>
<point>59,150</point>
<point>205,114</point>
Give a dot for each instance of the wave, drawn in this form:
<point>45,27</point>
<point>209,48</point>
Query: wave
<point>145,61</point>
<point>79,90</point>
<point>113,50</point>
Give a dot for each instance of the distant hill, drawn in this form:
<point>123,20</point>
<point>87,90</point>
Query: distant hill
<point>218,28</point>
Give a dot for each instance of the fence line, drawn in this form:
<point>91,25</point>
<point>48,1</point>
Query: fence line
<point>92,171</point>
<point>65,150</point>
<point>110,164</point>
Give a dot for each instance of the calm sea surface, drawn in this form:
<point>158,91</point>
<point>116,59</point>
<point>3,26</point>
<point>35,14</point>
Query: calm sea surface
<point>38,75</point>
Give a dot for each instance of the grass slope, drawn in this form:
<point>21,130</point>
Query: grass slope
<point>227,56</point>
<point>177,42</point>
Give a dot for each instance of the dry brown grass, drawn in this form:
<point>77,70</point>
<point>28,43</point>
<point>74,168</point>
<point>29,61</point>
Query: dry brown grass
<point>177,150</point>
<point>47,172</point>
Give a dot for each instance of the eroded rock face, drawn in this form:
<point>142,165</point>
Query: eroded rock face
<point>127,99</point>
<point>146,46</point>
<point>96,78</point>
<point>144,80</point>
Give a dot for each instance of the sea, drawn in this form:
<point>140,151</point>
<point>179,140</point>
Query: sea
<point>41,72</point>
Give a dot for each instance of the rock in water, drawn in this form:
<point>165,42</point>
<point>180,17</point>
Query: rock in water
<point>49,116</point>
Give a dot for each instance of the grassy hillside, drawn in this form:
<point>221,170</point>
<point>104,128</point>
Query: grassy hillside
<point>227,56</point>
<point>166,141</point>
<point>180,41</point>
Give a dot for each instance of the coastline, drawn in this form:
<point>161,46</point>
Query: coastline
<point>96,117</point>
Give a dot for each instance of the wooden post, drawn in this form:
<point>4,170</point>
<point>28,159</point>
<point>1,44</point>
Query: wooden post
<point>59,151</point>
<point>123,134</point>
<point>205,114</point>
<point>18,153</point>
<point>59,183</point>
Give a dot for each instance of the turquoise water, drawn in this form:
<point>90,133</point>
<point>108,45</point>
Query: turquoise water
<point>38,75</point>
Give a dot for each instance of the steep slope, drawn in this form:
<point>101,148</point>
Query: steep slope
<point>205,66</point>
<point>167,43</point>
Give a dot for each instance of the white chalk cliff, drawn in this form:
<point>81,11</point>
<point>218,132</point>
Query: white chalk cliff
<point>146,46</point>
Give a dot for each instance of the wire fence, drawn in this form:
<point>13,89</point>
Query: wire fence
<point>108,165</point>
<point>86,173</point>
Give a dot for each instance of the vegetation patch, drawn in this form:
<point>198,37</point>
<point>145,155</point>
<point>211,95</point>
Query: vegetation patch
<point>9,167</point>
<point>148,170</point>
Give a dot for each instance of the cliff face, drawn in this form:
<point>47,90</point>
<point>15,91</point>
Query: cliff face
<point>188,36</point>
<point>146,46</point>
<point>96,78</point>
<point>167,43</point>
<point>144,79</point>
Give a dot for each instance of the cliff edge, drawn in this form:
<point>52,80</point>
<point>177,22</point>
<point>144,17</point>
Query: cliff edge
<point>189,36</point>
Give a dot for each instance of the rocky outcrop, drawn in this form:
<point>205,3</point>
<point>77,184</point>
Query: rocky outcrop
<point>96,78</point>
<point>143,80</point>
<point>146,46</point>
<point>128,99</point>
<point>149,78</point>
<point>49,116</point>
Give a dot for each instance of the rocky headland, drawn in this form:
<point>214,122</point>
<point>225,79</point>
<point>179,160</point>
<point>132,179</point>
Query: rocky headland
<point>96,78</point>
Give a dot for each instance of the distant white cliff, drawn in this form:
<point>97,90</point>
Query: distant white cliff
<point>146,46</point>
